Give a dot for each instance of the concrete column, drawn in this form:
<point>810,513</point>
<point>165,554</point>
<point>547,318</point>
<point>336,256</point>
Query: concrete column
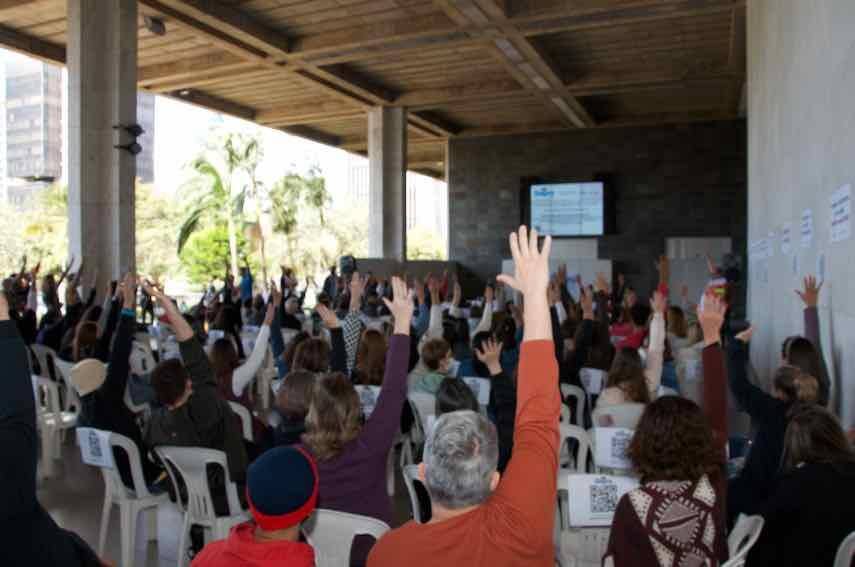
<point>387,166</point>
<point>102,93</point>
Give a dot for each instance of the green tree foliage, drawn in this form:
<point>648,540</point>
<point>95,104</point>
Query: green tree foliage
<point>156,217</point>
<point>206,254</point>
<point>423,244</point>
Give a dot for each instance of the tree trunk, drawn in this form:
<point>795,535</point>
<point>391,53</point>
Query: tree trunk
<point>233,244</point>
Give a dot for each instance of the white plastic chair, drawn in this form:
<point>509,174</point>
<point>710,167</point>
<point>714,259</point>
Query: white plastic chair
<point>46,394</point>
<point>64,369</point>
<point>331,533</point>
<point>192,464</point>
<point>480,389</point>
<point>619,415</point>
<point>245,420</point>
<point>411,476</point>
<point>609,446</point>
<point>45,357</point>
<point>586,504</point>
<point>368,396</point>
<point>62,417</point>
<point>96,449</point>
<point>423,406</point>
<point>845,552</point>
<point>580,460</point>
<point>570,391</point>
<point>742,538</point>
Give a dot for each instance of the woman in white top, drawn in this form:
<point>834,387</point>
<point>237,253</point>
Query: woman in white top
<point>629,381</point>
<point>233,378</point>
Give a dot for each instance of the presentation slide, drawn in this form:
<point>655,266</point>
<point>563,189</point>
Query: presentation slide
<point>568,209</point>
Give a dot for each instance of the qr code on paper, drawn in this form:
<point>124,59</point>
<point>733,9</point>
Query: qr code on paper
<point>620,444</point>
<point>95,445</point>
<point>604,498</point>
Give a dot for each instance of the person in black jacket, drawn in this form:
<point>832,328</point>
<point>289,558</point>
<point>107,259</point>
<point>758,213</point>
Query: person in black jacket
<point>31,537</point>
<point>102,402</point>
<point>503,399</point>
<point>811,511</point>
<point>769,413</point>
<point>193,413</point>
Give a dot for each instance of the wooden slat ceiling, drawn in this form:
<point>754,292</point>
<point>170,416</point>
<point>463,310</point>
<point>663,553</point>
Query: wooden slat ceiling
<point>462,67</point>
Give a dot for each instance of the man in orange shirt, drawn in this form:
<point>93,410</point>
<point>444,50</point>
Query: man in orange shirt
<point>477,518</point>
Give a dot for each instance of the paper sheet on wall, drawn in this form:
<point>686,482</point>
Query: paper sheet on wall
<point>787,239</point>
<point>841,204</point>
<point>806,228</point>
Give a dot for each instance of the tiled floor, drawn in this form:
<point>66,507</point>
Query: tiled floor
<point>75,496</point>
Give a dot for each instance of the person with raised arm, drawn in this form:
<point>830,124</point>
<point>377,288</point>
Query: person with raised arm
<point>32,537</point>
<point>714,396</point>
<point>806,352</point>
<point>480,518</point>
<point>193,412</point>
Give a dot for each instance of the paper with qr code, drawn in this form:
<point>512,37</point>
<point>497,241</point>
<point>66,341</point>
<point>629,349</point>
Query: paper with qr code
<point>592,379</point>
<point>593,498</point>
<point>368,398</point>
<point>480,387</point>
<point>95,447</point>
<point>610,446</point>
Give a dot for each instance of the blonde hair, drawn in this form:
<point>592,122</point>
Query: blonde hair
<point>795,385</point>
<point>334,418</point>
<point>677,322</point>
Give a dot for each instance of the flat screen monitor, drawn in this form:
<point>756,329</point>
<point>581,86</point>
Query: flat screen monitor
<point>568,209</point>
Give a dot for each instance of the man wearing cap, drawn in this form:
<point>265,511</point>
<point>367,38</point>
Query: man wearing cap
<point>282,491</point>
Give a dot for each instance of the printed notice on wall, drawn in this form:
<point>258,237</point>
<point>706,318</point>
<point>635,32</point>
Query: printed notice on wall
<point>841,204</point>
<point>806,228</point>
<point>787,239</point>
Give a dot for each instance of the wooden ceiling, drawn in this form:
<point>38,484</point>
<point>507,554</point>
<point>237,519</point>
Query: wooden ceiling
<point>462,67</point>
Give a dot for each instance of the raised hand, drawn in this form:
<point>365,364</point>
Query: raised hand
<point>490,354</point>
<point>663,265</point>
<point>711,317</point>
<point>4,307</point>
<point>531,278</point>
<point>458,295</point>
<point>328,316</point>
<point>271,312</point>
<point>433,288</point>
<point>129,291</point>
<point>586,300</point>
<point>658,303</point>
<point>552,293</point>
<point>275,295</point>
<point>419,288</point>
<point>400,306</point>
<point>601,285</point>
<point>489,295</point>
<point>745,336</point>
<point>810,295</point>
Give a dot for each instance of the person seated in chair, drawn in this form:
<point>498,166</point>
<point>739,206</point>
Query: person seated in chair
<point>282,490</point>
<point>193,412</point>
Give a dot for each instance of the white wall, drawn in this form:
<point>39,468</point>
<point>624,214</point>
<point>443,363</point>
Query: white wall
<point>801,115</point>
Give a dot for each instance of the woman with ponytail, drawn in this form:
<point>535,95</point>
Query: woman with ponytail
<point>770,414</point>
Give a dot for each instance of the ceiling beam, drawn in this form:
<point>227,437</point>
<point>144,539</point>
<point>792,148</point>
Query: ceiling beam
<point>205,100</point>
<point>358,145</point>
<point>6,5</point>
<point>306,114</point>
<point>187,69</point>
<point>433,125</point>
<point>313,135</point>
<point>737,60</point>
<point>32,46</point>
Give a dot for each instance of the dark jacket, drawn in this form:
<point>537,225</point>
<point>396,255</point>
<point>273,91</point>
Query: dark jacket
<point>105,407</point>
<point>29,535</point>
<point>808,516</point>
<point>811,317</point>
<point>769,416</point>
<point>503,407</point>
<point>206,420</point>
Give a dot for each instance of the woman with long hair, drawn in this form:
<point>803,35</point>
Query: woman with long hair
<point>678,511</point>
<point>811,510</point>
<point>371,359</point>
<point>770,415</point>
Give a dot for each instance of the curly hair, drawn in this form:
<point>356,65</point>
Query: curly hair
<point>334,418</point>
<point>313,355</point>
<point>627,373</point>
<point>674,441</point>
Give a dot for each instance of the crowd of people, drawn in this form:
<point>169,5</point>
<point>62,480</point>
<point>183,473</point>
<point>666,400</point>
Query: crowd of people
<point>490,473</point>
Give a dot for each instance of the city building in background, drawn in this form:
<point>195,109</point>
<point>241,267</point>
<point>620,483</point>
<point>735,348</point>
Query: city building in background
<point>145,118</point>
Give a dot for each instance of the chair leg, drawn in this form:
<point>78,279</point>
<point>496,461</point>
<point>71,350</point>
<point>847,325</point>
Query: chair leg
<point>105,523</point>
<point>129,533</point>
<point>182,542</point>
<point>152,523</point>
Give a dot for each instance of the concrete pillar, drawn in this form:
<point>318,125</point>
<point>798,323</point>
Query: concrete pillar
<point>387,166</point>
<point>102,93</point>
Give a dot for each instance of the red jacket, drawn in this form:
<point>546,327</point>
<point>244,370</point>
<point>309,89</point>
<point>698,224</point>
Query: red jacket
<point>241,549</point>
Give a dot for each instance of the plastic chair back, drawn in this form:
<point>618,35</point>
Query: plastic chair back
<point>846,552</point>
<point>583,449</point>
<point>89,367</point>
<point>96,449</point>
<point>480,388</point>
<point>742,538</point>
<point>610,447</point>
<point>191,463</point>
<point>331,533</point>
<point>245,419</point>
<point>45,357</point>
<point>570,391</point>
<point>64,376</point>
<point>619,415</point>
<point>423,406</point>
<point>411,477</point>
<point>593,379</point>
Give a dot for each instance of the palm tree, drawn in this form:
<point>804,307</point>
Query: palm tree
<point>292,194</point>
<point>223,182</point>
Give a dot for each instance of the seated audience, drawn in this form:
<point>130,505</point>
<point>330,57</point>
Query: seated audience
<point>351,456</point>
<point>806,352</point>
<point>282,491</point>
<point>292,404</point>
<point>629,381</point>
<point>31,535</point>
<point>193,412</point>
<point>102,395</point>
<point>436,359</point>
<point>454,395</point>
<point>478,519</point>
<point>769,415</point>
<point>370,359</point>
<point>676,516</point>
<point>812,508</point>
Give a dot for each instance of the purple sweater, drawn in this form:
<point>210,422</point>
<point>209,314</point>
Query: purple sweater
<point>355,480</point>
